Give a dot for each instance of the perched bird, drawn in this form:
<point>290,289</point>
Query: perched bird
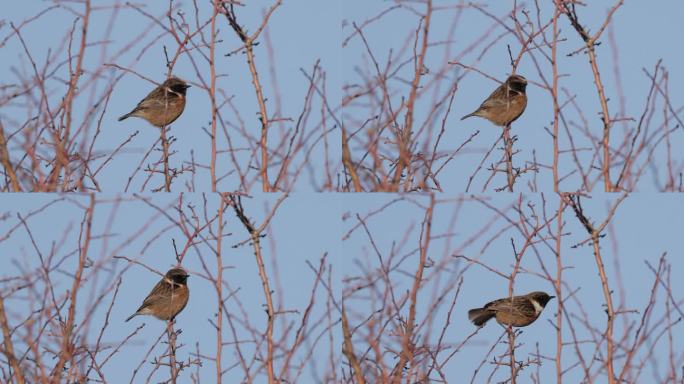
<point>168,297</point>
<point>163,105</point>
<point>518,311</point>
<point>505,104</point>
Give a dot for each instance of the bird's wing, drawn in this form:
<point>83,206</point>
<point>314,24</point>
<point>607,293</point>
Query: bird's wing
<point>149,104</point>
<point>156,295</point>
<point>493,103</point>
<point>495,304</point>
<point>522,306</point>
<point>517,304</point>
<point>494,98</point>
<point>154,100</point>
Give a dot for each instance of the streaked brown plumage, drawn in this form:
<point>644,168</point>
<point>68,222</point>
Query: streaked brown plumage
<point>163,105</point>
<point>505,104</point>
<point>168,297</point>
<point>518,311</point>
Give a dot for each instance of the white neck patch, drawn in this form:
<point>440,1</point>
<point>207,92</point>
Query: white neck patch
<point>537,307</point>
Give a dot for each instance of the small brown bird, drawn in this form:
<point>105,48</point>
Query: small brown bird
<point>168,297</point>
<point>518,311</point>
<point>505,104</point>
<point>163,105</point>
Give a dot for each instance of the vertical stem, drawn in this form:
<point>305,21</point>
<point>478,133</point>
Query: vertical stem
<point>165,160</point>
<point>608,187</point>
<point>595,233</point>
<point>219,291</point>
<point>348,349</point>
<point>556,108</point>
<point>255,236</point>
<point>249,50</point>
<point>172,350</point>
<point>8,346</point>
<point>609,307</point>
<point>404,139</point>
<point>590,43</point>
<point>349,165</point>
<point>269,305</point>
<point>5,161</point>
<point>559,271</point>
<point>508,148</point>
<point>67,348</point>
<point>62,143</point>
<point>407,350</point>
<point>212,95</point>
<point>263,116</point>
<point>511,352</point>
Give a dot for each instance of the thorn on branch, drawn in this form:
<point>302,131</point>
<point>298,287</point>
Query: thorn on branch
<point>236,203</point>
<point>576,205</point>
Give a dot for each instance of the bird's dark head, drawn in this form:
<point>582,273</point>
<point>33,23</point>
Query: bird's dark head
<point>540,297</point>
<point>517,83</point>
<point>178,275</point>
<point>176,85</point>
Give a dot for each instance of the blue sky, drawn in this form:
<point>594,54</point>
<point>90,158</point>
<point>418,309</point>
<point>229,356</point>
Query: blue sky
<point>139,232</point>
<point>295,49</point>
<point>309,225</point>
<point>633,50</point>
<point>302,32</point>
<point>644,227</point>
<point>306,227</point>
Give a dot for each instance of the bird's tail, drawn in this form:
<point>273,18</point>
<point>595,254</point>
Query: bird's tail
<point>131,316</point>
<point>479,316</point>
<point>124,117</point>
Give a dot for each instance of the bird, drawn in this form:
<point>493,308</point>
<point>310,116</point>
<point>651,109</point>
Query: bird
<point>168,298</point>
<point>163,105</point>
<point>516,311</point>
<point>505,104</point>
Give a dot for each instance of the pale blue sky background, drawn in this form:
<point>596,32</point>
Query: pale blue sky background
<point>296,238</point>
<point>306,226</point>
<point>304,31</point>
<point>644,32</point>
<point>645,226</point>
<point>296,45</point>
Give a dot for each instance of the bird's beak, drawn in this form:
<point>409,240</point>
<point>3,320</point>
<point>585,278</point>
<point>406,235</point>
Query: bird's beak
<point>552,297</point>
